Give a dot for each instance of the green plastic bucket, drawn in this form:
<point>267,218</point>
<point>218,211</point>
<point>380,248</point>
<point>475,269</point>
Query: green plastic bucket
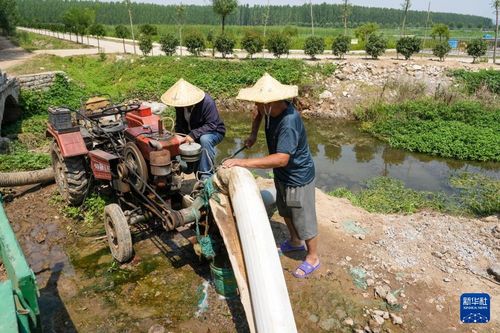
<point>224,280</point>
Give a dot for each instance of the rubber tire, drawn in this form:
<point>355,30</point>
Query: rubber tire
<point>118,233</point>
<point>70,175</point>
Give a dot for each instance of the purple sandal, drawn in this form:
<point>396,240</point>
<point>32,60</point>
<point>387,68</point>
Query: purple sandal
<point>287,247</point>
<point>307,268</point>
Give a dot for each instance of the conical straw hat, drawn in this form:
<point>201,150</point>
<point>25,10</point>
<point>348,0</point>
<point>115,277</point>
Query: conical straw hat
<point>266,90</point>
<point>182,93</point>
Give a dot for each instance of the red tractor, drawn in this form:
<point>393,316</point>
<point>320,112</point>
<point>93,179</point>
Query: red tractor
<point>126,147</point>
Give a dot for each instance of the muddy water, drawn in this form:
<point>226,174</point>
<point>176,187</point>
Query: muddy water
<point>344,156</point>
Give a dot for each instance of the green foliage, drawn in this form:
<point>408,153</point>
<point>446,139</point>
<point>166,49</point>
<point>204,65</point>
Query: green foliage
<point>479,194</point>
<point>376,45</point>
<point>224,44</point>
<point>91,211</point>
<point>330,14</point>
<point>314,45</point>
<point>476,48</point>
<point>78,20</point>
<point>474,81</point>
<point>9,16</point>
<point>122,31</point>
<point>21,159</point>
<point>390,196</point>
<point>145,44</point>
<point>278,44</point>
<point>97,29</point>
<point>364,31</point>
<point>252,42</point>
<point>341,45</point>
<point>195,43</point>
<point>441,50</point>
<point>148,30</point>
<point>464,130</point>
<point>169,43</point>
<point>440,30</point>
<point>223,8</point>
<point>408,46</point>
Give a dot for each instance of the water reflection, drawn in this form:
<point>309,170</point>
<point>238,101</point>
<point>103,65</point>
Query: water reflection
<point>345,156</point>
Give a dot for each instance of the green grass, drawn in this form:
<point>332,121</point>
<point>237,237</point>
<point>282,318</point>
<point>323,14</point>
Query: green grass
<point>477,195</point>
<point>465,130</point>
<point>150,77</point>
<point>302,33</point>
<point>389,196</point>
<point>31,42</point>
<point>474,81</point>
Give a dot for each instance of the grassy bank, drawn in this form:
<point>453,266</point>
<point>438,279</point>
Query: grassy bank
<point>129,78</point>
<point>465,130</point>
<point>477,195</point>
<point>32,42</point>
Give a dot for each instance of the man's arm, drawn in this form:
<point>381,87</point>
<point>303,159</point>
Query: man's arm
<point>252,138</point>
<point>278,160</point>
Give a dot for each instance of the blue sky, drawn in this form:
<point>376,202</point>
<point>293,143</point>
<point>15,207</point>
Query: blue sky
<point>474,7</point>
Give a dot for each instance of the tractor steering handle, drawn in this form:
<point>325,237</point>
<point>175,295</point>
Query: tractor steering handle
<point>118,109</point>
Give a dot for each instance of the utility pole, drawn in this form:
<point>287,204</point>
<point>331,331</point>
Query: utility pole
<point>131,24</point>
<point>312,17</point>
<point>345,15</point>
<point>406,6</point>
<point>265,26</point>
<point>427,22</point>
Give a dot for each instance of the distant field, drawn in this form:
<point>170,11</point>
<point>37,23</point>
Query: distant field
<point>301,33</point>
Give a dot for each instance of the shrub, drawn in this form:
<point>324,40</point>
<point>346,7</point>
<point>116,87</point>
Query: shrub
<point>224,44</point>
<point>441,50</point>
<point>341,45</point>
<point>252,42</point>
<point>148,29</point>
<point>278,44</point>
<point>169,43</point>
<point>408,46</point>
<point>364,31</point>
<point>376,45</point>
<point>145,44</point>
<point>314,45</point>
<point>195,43</point>
<point>476,48</point>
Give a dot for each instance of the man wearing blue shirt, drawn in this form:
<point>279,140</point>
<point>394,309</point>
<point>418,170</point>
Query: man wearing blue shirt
<point>292,164</point>
<point>197,117</point>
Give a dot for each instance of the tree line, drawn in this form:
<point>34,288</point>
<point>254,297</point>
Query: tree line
<point>325,15</point>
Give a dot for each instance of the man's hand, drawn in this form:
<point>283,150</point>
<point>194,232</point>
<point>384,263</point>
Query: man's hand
<point>250,141</point>
<point>188,139</point>
<point>233,162</point>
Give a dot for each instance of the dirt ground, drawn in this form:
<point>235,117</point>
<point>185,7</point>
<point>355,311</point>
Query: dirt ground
<point>425,260</point>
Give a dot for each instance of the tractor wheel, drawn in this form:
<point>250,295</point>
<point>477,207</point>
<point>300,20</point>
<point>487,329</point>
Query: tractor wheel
<point>118,232</point>
<point>71,176</point>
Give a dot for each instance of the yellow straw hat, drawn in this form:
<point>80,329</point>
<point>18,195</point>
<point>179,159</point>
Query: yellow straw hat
<point>266,90</point>
<point>182,93</point>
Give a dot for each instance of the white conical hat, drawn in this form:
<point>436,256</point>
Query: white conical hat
<point>266,90</point>
<point>182,93</point>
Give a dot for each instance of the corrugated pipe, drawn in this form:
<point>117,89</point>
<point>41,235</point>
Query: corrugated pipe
<point>11,179</point>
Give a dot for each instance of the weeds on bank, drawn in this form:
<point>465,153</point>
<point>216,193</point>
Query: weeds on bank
<point>478,195</point>
<point>475,81</point>
<point>466,130</point>
<point>389,196</point>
